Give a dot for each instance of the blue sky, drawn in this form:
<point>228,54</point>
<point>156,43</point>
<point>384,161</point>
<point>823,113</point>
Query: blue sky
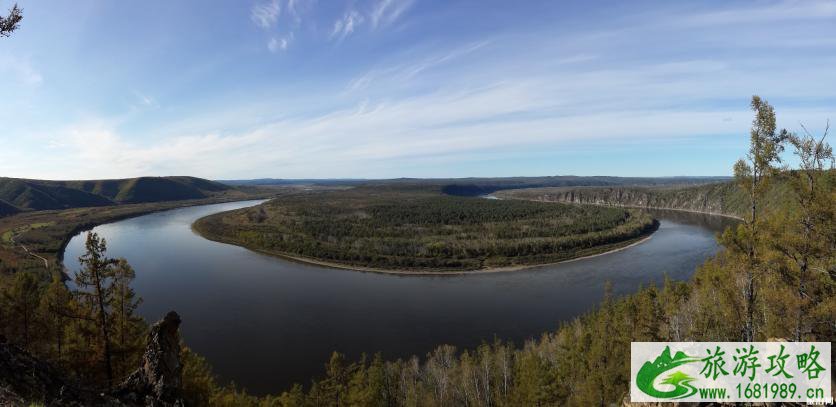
<point>404,88</point>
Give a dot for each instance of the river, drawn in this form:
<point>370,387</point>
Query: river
<point>265,322</point>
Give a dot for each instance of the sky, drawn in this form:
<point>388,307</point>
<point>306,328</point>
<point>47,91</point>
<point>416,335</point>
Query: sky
<point>404,88</point>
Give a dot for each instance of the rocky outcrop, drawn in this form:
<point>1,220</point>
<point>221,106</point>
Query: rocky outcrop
<point>24,379</point>
<point>158,380</point>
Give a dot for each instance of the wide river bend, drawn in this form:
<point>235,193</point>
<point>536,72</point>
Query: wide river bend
<point>266,322</point>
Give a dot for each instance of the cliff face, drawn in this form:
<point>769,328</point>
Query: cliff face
<point>722,199</point>
<point>157,382</point>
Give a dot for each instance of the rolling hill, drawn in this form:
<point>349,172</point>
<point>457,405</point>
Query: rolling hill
<point>7,209</point>
<point>27,194</point>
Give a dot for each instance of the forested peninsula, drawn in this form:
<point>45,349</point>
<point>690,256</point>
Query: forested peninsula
<point>418,229</point>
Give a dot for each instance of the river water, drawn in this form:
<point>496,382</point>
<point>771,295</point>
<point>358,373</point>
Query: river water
<point>265,322</point>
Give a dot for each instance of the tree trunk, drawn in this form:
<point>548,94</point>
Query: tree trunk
<point>103,328</point>
<point>749,333</point>
<point>802,270</point>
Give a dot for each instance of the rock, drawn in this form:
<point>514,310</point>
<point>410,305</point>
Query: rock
<point>158,381</point>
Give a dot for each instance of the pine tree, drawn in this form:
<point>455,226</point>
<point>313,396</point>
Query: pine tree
<point>21,300</point>
<point>295,397</point>
<point>335,386</point>
<point>54,310</point>
<point>127,327</point>
<point>199,384</point>
<point>753,175</point>
<point>95,292</point>
<point>804,235</point>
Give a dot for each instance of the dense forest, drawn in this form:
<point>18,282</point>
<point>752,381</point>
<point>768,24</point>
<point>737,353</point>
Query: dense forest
<point>776,278</point>
<point>417,229</point>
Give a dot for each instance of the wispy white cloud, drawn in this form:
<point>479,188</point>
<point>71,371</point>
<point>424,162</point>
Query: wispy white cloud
<point>386,12</point>
<point>265,15</point>
<point>293,9</point>
<point>146,100</point>
<point>766,12</point>
<point>576,59</point>
<point>277,44</point>
<point>431,62</point>
<point>296,8</point>
<point>346,25</point>
<point>406,71</point>
<point>533,110</point>
<point>21,70</point>
<point>97,147</point>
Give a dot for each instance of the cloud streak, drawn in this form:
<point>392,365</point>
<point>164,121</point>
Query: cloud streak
<point>405,72</point>
<point>265,15</point>
<point>788,10</point>
<point>386,12</point>
<point>346,25</point>
<point>21,69</point>
<point>277,44</point>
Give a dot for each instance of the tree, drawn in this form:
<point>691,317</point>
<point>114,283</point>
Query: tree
<point>199,384</point>
<point>293,398</point>
<point>332,390</point>
<point>126,325</point>
<point>96,294</point>
<point>11,22</point>
<point>55,306</point>
<point>803,235</point>
<point>21,299</point>
<point>440,366</point>
<point>753,175</point>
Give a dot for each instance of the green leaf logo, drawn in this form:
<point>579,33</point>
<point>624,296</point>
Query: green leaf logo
<point>664,363</point>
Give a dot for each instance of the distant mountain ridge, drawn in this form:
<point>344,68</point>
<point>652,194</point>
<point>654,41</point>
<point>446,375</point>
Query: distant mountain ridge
<point>480,186</point>
<point>18,194</point>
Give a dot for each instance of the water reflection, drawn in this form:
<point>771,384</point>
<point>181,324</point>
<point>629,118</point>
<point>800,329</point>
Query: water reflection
<point>265,322</point>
